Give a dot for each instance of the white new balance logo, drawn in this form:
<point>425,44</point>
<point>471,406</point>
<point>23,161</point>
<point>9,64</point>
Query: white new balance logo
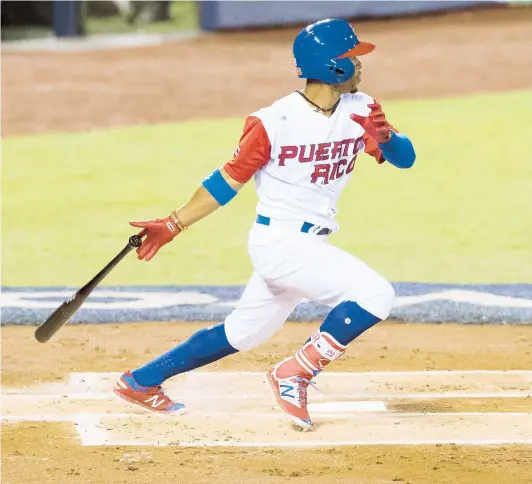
<point>155,401</point>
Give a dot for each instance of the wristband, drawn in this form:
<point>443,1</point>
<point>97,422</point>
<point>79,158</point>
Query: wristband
<point>180,225</point>
<point>218,187</point>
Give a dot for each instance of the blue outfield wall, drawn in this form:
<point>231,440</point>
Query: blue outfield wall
<point>416,302</point>
<point>216,15</point>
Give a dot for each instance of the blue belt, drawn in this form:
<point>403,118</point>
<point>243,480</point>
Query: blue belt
<point>262,220</point>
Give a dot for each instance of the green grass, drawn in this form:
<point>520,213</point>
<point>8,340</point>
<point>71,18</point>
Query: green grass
<point>184,16</point>
<point>462,214</point>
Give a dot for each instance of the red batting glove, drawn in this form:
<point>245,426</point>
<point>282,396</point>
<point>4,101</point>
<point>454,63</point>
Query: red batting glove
<point>159,232</point>
<point>375,124</point>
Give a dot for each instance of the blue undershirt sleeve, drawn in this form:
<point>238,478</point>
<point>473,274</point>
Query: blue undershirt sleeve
<point>399,151</point>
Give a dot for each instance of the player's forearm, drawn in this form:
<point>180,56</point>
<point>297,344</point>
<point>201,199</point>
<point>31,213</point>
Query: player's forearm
<point>216,190</point>
<point>208,198</point>
<point>399,151</point>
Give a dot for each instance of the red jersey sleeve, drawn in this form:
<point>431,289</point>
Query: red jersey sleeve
<point>372,147</point>
<point>253,151</point>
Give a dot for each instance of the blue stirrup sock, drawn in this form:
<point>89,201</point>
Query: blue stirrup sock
<point>203,347</point>
<point>348,321</point>
<point>342,325</point>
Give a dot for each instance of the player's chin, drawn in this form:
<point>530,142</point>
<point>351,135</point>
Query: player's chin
<point>354,86</point>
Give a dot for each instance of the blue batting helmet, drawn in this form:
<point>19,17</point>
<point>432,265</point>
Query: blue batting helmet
<point>322,51</point>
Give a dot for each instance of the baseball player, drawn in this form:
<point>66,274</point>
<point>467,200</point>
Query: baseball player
<point>301,151</point>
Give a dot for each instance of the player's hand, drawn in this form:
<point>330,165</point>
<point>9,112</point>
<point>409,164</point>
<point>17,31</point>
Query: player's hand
<point>158,233</point>
<point>375,124</point>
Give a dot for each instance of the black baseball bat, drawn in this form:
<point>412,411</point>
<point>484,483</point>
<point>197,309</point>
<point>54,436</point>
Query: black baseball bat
<point>63,313</point>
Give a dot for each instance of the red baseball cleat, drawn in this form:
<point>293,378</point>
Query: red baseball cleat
<point>290,378</point>
<point>290,383</point>
<point>151,398</point>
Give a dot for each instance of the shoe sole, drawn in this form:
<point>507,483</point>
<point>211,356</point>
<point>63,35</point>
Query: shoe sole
<point>140,404</point>
<point>300,423</point>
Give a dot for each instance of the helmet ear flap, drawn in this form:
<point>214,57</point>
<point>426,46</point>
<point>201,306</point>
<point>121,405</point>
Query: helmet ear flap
<point>341,70</point>
<point>331,72</point>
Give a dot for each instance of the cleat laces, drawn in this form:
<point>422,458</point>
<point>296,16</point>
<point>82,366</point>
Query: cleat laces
<point>301,390</point>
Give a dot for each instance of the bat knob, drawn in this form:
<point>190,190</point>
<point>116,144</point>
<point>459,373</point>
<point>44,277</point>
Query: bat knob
<point>135,241</point>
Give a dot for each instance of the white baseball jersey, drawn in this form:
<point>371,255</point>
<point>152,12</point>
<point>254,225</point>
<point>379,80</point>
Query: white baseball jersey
<point>300,158</point>
<point>301,161</point>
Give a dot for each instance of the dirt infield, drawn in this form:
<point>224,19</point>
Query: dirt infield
<point>234,74</point>
<point>59,433</point>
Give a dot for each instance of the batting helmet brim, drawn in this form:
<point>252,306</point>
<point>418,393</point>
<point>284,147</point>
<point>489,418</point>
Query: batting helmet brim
<point>361,48</point>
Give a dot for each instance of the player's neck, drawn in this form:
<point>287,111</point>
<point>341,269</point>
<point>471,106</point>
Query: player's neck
<point>324,95</point>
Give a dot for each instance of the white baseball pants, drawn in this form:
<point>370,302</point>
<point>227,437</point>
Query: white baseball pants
<point>290,265</point>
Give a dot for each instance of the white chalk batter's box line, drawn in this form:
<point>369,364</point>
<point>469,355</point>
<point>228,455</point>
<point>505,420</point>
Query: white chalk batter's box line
<point>95,385</point>
<point>91,433</point>
<point>95,378</point>
<point>92,436</point>
<point>315,396</point>
<point>162,417</point>
<point>506,383</point>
